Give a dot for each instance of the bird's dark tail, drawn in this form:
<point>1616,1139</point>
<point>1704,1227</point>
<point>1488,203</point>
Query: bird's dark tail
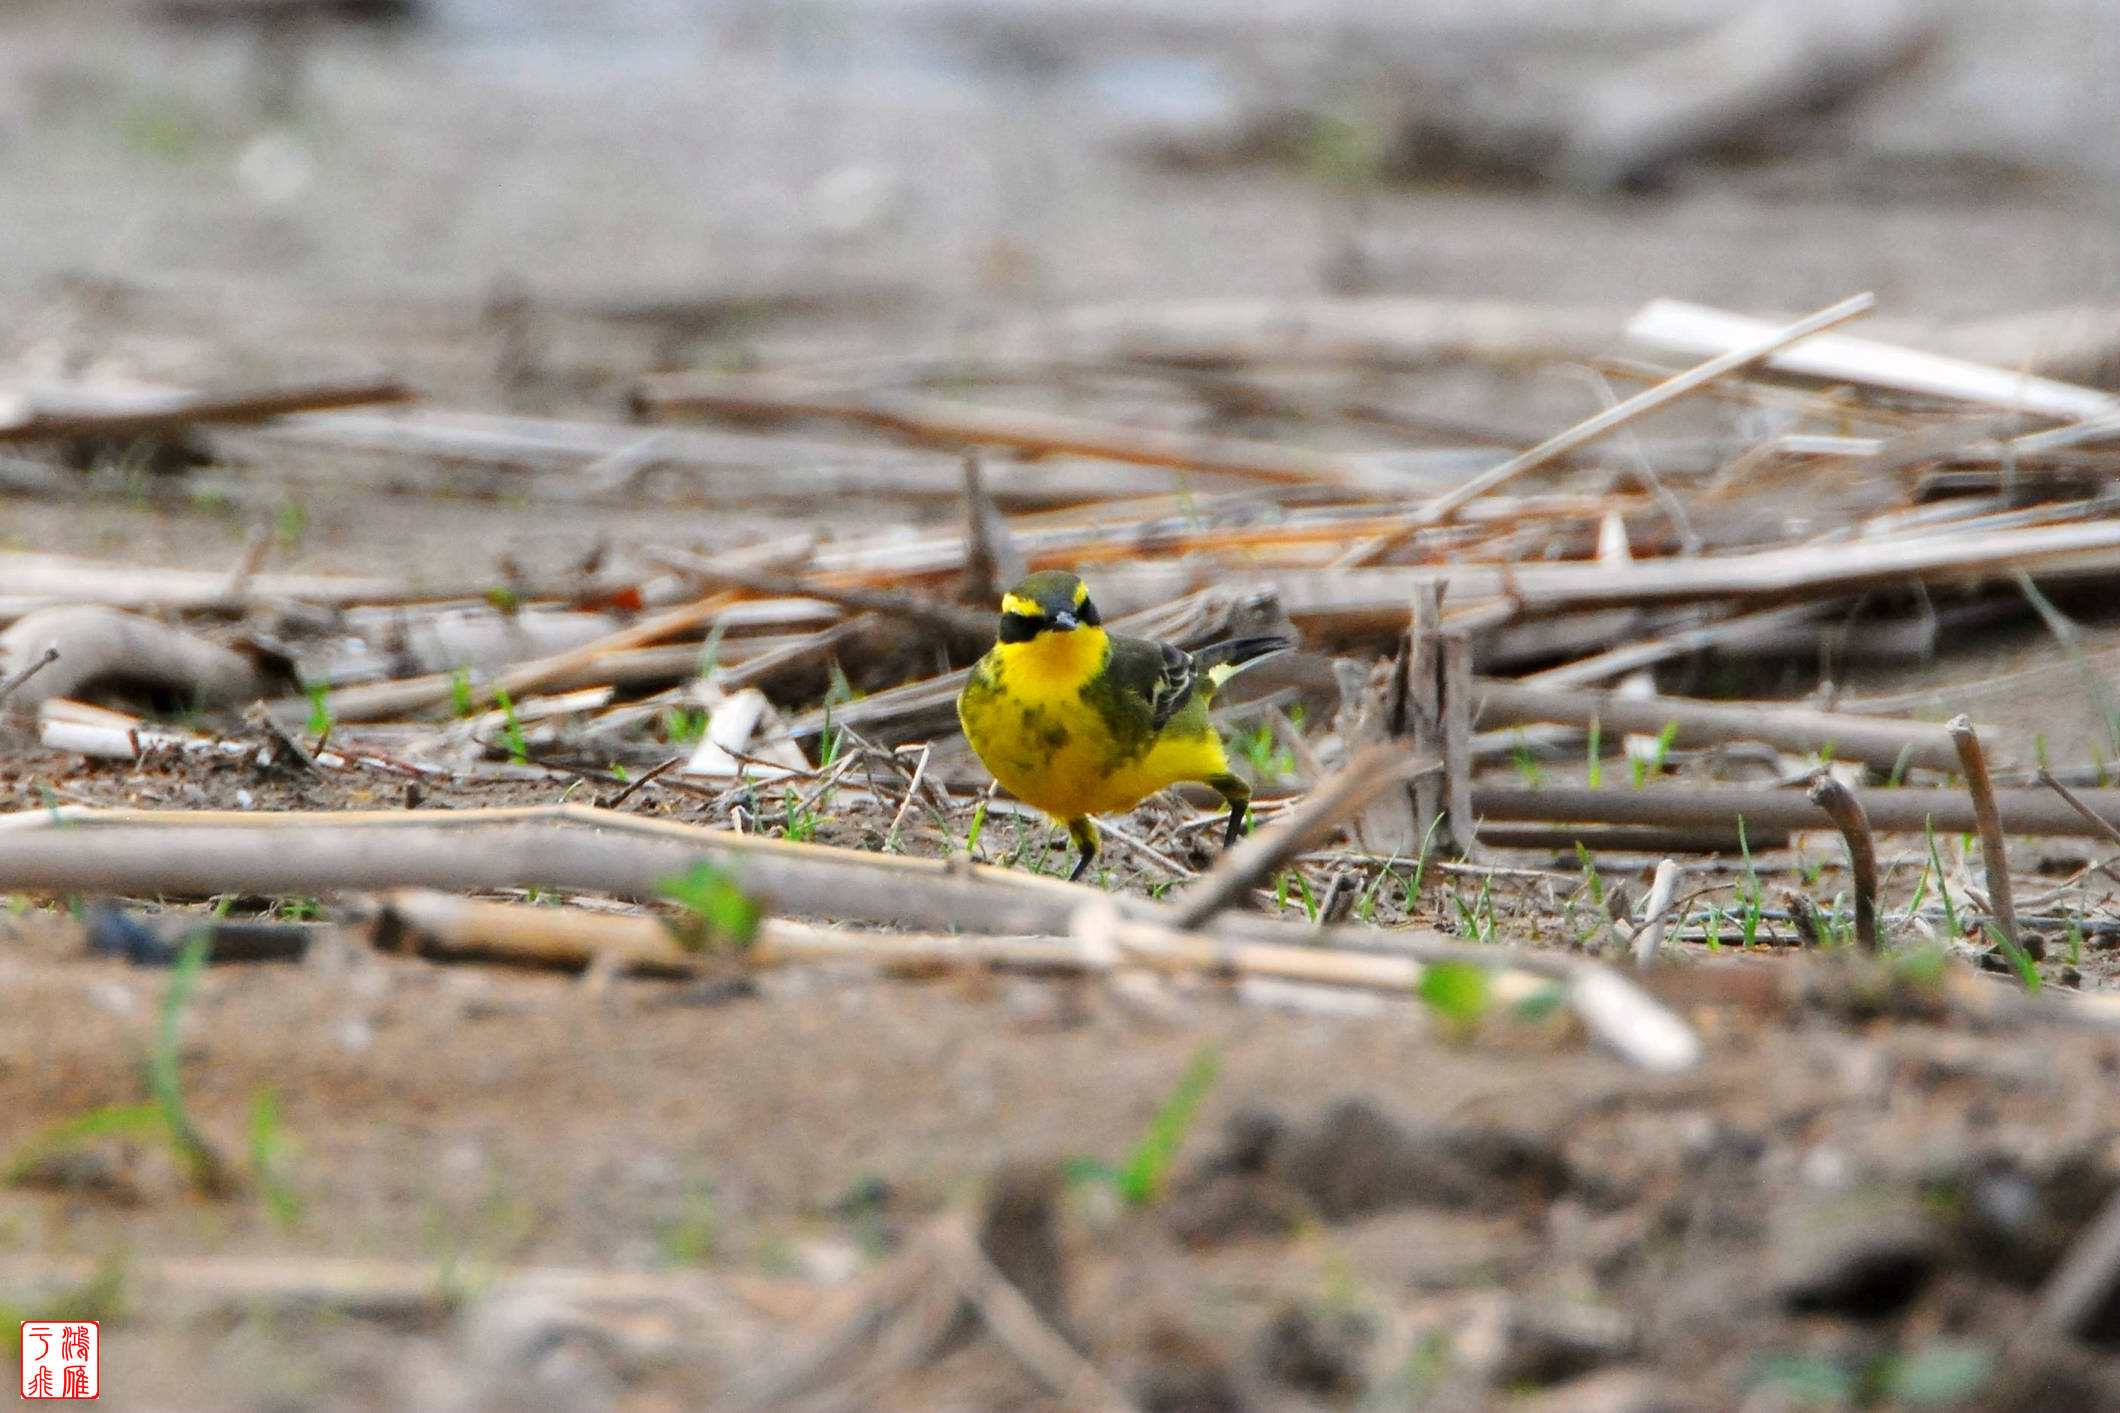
<point>1222,661</point>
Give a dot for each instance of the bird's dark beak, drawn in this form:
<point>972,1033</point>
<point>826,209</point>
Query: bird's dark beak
<point>1063,620</point>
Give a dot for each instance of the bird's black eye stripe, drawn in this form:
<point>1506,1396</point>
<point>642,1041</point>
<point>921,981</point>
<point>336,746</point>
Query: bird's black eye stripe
<point>1088,613</point>
<point>1020,627</point>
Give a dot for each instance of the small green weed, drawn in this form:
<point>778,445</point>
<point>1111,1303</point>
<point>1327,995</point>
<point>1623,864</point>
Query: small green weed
<point>1366,904</point>
<point>1748,893</point>
<point>1269,759</point>
<point>272,1154</point>
<point>1527,766</point>
<point>1943,892</point>
<point>683,726</point>
<point>1592,879</point>
<point>2020,962</point>
<point>1146,1173</point>
<point>1457,991</point>
<point>164,1118</point>
<point>801,822</point>
<point>290,523</point>
<point>511,729</point>
<point>1476,920</point>
<point>1640,769</point>
<point>691,1237</point>
<point>1310,900</point>
<point>320,712</point>
<point>718,914</point>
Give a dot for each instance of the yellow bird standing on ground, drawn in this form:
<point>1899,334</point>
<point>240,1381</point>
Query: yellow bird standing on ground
<point>1076,721</point>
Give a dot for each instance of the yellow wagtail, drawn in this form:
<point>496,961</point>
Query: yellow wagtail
<point>1077,721</point>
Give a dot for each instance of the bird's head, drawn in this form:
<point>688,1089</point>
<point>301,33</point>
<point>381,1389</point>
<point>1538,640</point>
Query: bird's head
<point>1051,601</point>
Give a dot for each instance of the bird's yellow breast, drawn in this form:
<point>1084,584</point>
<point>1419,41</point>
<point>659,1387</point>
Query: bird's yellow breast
<point>1025,714</point>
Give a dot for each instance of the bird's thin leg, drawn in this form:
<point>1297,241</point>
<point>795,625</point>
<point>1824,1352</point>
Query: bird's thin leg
<point>1083,830</point>
<point>1233,789</point>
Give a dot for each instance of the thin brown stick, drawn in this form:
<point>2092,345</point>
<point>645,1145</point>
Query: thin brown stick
<point>1993,852</point>
<point>992,562</point>
<point>1457,740</point>
<point>81,416</point>
<point>643,780</point>
<point>1357,783</point>
<point>911,789</point>
<point>1424,705</point>
<point>1837,800</point>
<point>2045,777</point>
<point>263,720</point>
<point>14,680</point>
<point>445,927</point>
<point>255,544</point>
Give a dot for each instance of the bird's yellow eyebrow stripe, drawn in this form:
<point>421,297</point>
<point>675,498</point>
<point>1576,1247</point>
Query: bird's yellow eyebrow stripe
<point>1081,595</point>
<point>1011,603</point>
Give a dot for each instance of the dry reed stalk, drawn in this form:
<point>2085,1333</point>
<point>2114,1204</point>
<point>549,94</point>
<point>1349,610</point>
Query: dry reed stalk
<point>1424,705</point>
<point>1837,800</point>
<point>543,458</point>
<point>960,627</point>
<point>2102,828</point>
<point>255,544</point>
<point>1649,942</point>
<point>1361,780</point>
<point>1376,596</point>
<point>955,425</point>
<point>1842,358</point>
<point>59,413</point>
<point>1588,430</point>
<point>1994,851</point>
<point>182,853</point>
<point>1457,741</point>
<point>1616,662</point>
<point>15,680</point>
<point>1892,811</point>
<point>992,559</point>
<point>384,701</point>
<point>1789,728</point>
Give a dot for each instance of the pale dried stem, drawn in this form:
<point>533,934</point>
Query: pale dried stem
<point>1788,728</point>
<point>1670,390</point>
<point>1649,942</point>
